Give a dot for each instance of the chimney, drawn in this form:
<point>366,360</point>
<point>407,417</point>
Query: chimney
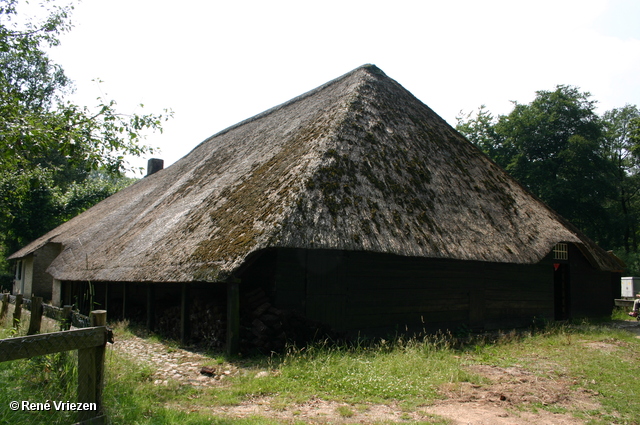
<point>154,165</point>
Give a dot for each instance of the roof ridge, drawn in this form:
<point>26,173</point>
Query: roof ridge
<point>370,68</point>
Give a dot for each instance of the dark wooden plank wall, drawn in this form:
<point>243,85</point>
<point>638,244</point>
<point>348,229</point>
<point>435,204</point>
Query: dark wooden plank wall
<point>326,290</point>
<point>289,291</point>
<point>591,289</point>
<point>380,293</point>
<point>516,294</point>
<point>388,293</point>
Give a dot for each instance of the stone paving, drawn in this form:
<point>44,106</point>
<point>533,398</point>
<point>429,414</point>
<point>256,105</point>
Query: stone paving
<point>169,363</point>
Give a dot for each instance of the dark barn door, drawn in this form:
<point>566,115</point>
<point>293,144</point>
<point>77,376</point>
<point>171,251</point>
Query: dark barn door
<point>561,290</point>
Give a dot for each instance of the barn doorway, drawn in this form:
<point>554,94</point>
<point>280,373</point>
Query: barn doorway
<point>561,289</point>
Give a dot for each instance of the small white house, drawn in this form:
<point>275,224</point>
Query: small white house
<point>31,276</point>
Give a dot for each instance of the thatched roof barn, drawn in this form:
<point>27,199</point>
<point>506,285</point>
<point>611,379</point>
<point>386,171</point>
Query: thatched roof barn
<point>356,166</point>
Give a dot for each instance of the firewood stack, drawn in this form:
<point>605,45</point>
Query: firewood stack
<point>207,321</point>
<point>209,325</point>
<point>264,328</point>
<point>262,323</point>
<point>267,328</point>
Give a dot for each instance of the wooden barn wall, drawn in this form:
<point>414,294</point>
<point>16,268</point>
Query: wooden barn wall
<point>591,290</point>
<point>380,293</point>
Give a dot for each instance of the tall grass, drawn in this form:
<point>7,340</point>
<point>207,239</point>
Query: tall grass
<point>38,380</point>
<point>374,372</point>
<point>409,372</point>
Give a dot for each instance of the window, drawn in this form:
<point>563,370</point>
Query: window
<point>19,270</point>
<point>561,252</point>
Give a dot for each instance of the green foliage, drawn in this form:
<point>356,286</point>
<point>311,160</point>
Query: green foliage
<point>586,357</point>
<point>42,378</point>
<point>33,203</point>
<point>583,166</point>
<point>480,130</point>
<point>34,118</point>
<point>622,148</point>
<point>373,372</point>
<point>49,146</point>
<point>632,261</point>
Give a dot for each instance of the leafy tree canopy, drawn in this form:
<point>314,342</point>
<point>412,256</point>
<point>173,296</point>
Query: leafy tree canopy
<point>582,165</point>
<point>56,158</point>
<point>35,118</point>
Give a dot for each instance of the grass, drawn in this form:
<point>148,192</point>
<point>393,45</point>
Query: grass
<point>407,373</point>
<point>574,352</point>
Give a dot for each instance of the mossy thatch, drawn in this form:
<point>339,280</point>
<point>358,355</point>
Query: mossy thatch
<point>356,164</point>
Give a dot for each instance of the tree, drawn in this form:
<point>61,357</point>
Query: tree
<point>481,131</point>
<point>49,146</point>
<point>553,146</point>
<point>622,148</point>
<point>34,118</point>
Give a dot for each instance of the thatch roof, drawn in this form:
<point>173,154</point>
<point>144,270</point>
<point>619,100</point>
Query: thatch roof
<point>356,164</point>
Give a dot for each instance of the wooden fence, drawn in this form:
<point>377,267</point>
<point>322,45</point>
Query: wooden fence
<point>66,316</point>
<point>90,343</point>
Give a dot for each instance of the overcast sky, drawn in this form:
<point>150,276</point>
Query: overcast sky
<point>215,63</point>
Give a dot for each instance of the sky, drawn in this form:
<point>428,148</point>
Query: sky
<point>215,63</point>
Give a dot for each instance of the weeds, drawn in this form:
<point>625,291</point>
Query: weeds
<point>406,371</point>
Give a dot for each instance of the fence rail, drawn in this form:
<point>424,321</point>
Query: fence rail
<point>65,315</point>
<point>90,343</point>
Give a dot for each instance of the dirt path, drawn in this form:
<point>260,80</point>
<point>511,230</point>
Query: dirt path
<point>512,395</point>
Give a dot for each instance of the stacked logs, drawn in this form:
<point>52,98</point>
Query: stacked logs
<point>207,322</point>
<point>262,323</point>
<point>264,328</point>
<point>267,328</point>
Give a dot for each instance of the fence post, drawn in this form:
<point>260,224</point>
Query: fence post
<point>36,316</point>
<point>91,371</point>
<point>17,313</point>
<point>5,306</point>
<point>66,317</point>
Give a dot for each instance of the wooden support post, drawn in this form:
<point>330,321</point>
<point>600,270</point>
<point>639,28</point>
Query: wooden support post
<point>66,317</point>
<point>151,307</point>
<point>91,371</point>
<point>233,317</point>
<point>17,313</point>
<point>36,316</point>
<point>184,314</point>
<point>5,307</point>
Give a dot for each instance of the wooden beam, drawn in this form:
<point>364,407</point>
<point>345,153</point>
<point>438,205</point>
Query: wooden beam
<point>66,317</point>
<point>233,317</point>
<point>124,300</point>
<point>98,318</point>
<point>39,345</point>
<point>477,307</point>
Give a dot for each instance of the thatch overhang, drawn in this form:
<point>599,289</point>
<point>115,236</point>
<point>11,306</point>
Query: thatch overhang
<point>357,164</point>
